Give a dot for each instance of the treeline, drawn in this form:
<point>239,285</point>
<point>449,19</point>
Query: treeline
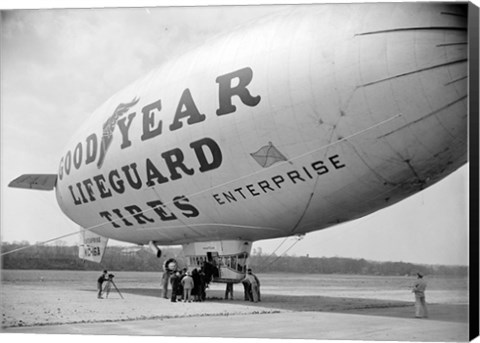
<point>342,265</point>
<point>66,258</point>
<point>142,259</point>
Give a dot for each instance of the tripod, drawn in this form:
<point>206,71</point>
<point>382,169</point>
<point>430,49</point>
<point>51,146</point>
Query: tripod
<point>108,287</point>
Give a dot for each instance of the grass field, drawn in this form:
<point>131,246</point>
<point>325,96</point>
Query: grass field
<point>440,289</point>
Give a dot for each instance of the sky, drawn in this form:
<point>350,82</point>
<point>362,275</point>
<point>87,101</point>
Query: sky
<point>57,66</point>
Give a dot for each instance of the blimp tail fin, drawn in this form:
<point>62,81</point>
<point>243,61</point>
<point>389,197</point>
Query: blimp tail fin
<point>92,246</point>
<point>44,182</point>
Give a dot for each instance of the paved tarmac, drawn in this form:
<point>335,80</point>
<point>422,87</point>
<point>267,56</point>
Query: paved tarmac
<point>446,323</point>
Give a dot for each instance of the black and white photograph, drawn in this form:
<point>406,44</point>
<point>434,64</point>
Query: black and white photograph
<point>278,171</point>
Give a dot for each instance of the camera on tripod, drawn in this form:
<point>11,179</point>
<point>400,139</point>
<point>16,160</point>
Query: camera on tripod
<point>109,284</point>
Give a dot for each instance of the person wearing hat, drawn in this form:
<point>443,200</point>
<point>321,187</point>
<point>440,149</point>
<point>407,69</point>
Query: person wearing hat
<point>251,280</point>
<point>100,282</point>
<point>169,268</point>
<point>175,282</point>
<point>419,291</point>
<point>187,283</point>
<point>258,285</point>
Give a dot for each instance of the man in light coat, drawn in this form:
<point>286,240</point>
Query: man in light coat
<point>419,291</point>
<point>187,283</point>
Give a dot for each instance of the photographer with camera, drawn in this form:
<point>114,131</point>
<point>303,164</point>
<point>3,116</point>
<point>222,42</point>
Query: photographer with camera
<point>100,282</point>
<point>109,285</point>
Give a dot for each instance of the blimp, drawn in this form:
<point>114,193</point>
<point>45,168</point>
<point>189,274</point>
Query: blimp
<point>307,118</point>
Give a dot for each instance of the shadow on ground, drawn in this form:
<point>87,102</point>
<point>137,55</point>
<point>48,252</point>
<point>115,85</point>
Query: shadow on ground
<point>373,307</point>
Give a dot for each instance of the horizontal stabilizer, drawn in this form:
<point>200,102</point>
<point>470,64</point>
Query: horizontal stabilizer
<point>92,246</point>
<point>44,182</point>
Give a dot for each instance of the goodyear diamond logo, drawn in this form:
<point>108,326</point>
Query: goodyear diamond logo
<point>268,155</point>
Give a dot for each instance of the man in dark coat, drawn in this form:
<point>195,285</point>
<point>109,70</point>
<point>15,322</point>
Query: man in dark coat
<point>196,285</point>
<point>100,282</point>
<point>203,286</point>
<point>229,291</point>
<point>251,286</point>
<point>175,281</point>
<point>258,285</point>
<point>247,290</point>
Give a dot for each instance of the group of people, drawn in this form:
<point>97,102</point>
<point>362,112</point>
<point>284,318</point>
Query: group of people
<point>186,286</point>
<point>251,288</point>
